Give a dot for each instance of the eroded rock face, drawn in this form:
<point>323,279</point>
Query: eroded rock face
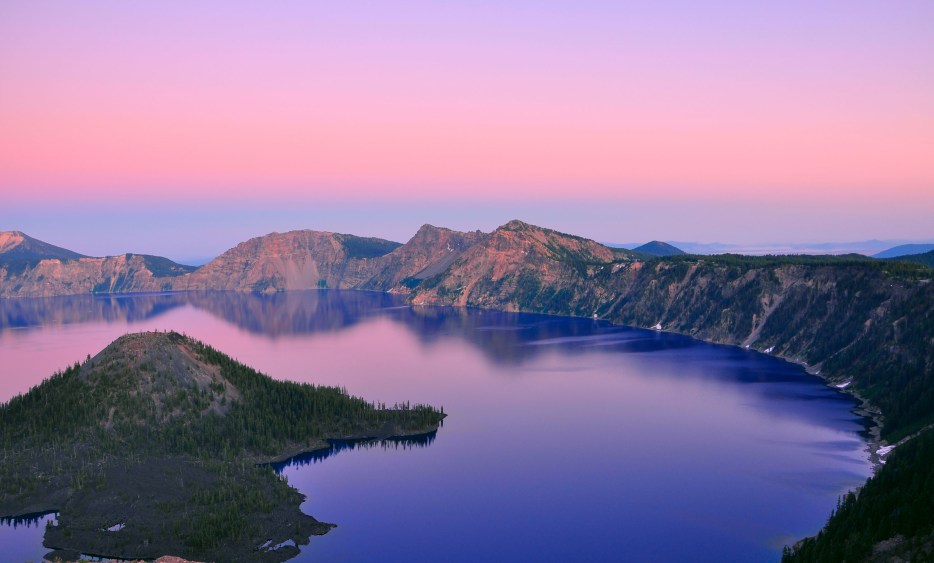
<point>429,253</point>
<point>295,260</point>
<point>10,240</point>
<point>50,277</point>
<point>275,262</point>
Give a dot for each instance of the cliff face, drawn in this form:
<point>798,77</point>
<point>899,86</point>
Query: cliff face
<point>853,320</point>
<point>429,253</point>
<point>294,260</point>
<point>290,261</point>
<point>114,274</point>
<point>16,246</point>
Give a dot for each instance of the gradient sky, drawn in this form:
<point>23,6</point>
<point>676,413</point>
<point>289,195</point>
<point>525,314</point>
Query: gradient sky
<point>622,121</point>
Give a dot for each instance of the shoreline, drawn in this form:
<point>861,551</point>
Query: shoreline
<point>864,408</point>
<point>327,443</point>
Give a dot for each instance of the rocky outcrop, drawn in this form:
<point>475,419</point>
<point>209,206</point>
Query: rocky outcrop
<point>288,261</point>
<point>521,267</point>
<point>312,259</point>
<point>115,274</point>
<point>18,247</point>
<point>429,253</point>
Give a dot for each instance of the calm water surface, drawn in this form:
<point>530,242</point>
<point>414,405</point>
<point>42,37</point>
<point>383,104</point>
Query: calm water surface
<point>567,439</point>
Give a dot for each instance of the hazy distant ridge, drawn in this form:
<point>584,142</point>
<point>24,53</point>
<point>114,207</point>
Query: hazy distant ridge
<point>904,250</point>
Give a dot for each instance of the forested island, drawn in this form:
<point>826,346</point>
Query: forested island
<point>161,444</point>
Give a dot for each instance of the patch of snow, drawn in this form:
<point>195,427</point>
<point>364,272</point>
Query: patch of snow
<point>843,385</point>
<point>658,326</point>
<point>769,349</point>
<point>884,450</point>
<point>114,528</point>
<point>281,545</point>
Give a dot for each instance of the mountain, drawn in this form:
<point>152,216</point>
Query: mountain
<point>290,261</point>
<point>18,250</point>
<point>160,441</point>
<point>314,259</point>
<point>430,252</point>
<point>32,268</point>
<point>517,265</point>
<point>865,247</point>
<point>114,274</point>
<point>904,249</point>
<point>658,248</point>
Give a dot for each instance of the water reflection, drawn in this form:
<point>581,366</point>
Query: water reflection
<point>501,336</point>
<point>338,446</point>
<point>34,520</point>
<point>76,309</point>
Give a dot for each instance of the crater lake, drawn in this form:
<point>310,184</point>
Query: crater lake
<point>566,438</point>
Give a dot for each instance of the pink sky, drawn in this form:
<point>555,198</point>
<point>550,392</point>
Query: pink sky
<point>622,103</point>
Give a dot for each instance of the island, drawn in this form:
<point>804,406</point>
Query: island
<point>162,445</point>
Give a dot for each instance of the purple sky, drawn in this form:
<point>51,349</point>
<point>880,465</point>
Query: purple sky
<point>181,128</point>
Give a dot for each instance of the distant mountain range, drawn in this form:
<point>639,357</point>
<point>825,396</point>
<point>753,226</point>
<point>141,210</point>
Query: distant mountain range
<point>865,324</point>
<point>866,247</point>
<point>658,248</point>
<point>904,250</point>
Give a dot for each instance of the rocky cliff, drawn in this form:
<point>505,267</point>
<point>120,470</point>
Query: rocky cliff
<point>114,274</point>
<point>290,261</point>
<point>863,323</point>
<point>522,267</point>
<point>430,252</point>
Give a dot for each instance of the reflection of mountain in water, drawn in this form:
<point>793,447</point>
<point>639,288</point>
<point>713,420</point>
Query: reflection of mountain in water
<point>337,446</point>
<point>503,337</point>
<point>27,312</point>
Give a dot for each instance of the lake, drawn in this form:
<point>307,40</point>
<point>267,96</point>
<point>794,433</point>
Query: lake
<point>566,439</point>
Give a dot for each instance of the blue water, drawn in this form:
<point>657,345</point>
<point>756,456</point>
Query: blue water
<point>567,439</point>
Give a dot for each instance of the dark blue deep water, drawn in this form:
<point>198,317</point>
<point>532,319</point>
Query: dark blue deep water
<point>566,440</point>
